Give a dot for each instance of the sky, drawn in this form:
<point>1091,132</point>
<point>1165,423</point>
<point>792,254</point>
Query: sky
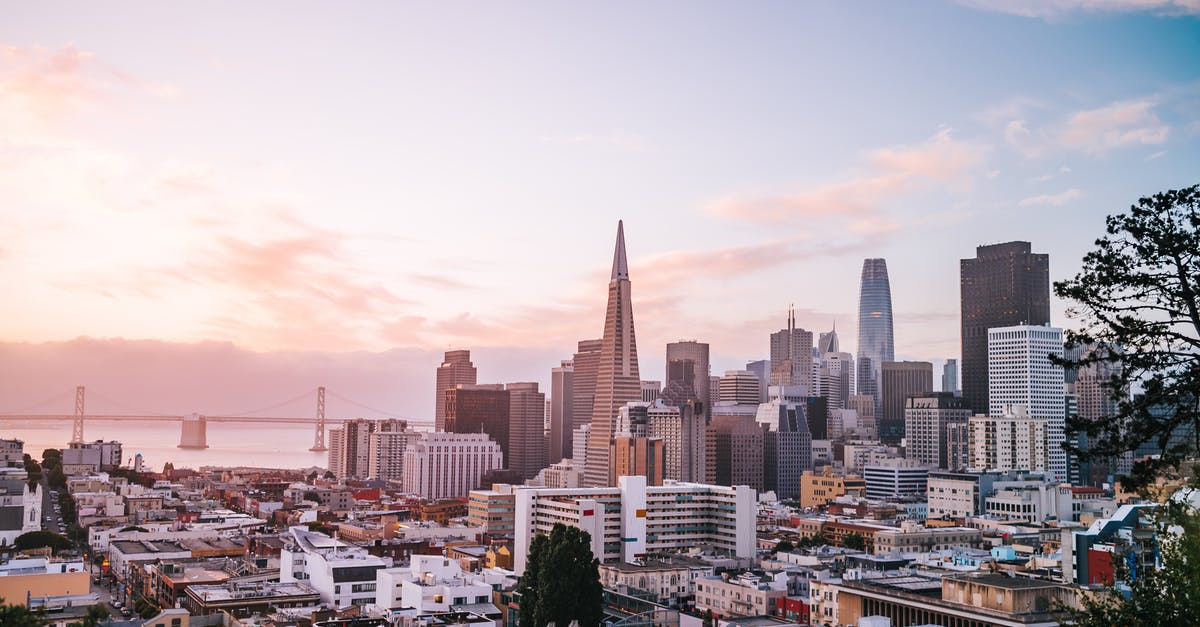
<point>311,182</point>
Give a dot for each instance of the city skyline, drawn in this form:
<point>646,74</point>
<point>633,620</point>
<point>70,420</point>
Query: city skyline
<point>156,233</point>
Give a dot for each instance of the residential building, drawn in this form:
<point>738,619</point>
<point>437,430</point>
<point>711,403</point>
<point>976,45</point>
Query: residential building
<point>1004,285</point>
<point>958,445</point>
<point>632,519</point>
<point>617,380</point>
<point>20,507</point>
<point>747,594</point>
<point>12,453</point>
<point>385,453</point>
<point>456,370</point>
<point>818,489</point>
<point>927,418</point>
<point>894,478</point>
<point>342,574</point>
<point>1020,373</point>
<point>562,406</point>
<point>449,465</point>
<point>493,511</point>
<point>350,446</point>
<point>84,457</point>
<point>864,406</point>
<point>672,580</point>
<point>736,448</point>
<point>740,387</point>
<point>899,380</point>
<point>243,600</point>
<point>912,537</point>
<point>527,453</point>
<point>680,424</point>
<point>876,343</point>
<point>430,583</point>
<point>957,494</point>
<point>1013,441</point>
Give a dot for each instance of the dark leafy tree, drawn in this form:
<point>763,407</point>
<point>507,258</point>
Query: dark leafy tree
<point>569,581</point>
<point>95,615</point>
<point>709,620</point>
<point>529,585</point>
<point>1137,299</point>
<point>854,540</point>
<point>40,539</point>
<point>561,583</point>
<point>784,546</point>
<point>19,616</point>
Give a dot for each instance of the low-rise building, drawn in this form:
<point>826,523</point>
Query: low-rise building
<point>342,574</point>
<point>431,583</point>
<point>671,581</point>
<point>745,595</point>
<point>494,510</point>
<point>819,488</point>
<point>242,600</point>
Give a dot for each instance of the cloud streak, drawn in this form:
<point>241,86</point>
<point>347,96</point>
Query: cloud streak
<point>1051,200</point>
<point>1091,132</point>
<point>1053,9</point>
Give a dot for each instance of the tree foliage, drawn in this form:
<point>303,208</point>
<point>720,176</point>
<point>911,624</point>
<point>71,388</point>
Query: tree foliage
<point>1137,299</point>
<point>39,539</point>
<point>561,582</point>
<point>784,546</point>
<point>95,615</point>
<point>854,540</point>
<point>1164,596</point>
<point>19,616</point>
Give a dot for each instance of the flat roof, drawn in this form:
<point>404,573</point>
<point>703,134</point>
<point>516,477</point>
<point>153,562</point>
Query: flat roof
<point>1004,581</point>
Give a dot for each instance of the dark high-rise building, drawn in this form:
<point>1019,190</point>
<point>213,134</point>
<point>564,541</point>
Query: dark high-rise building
<point>687,364</point>
<point>876,343</point>
<point>480,409</point>
<point>1004,285</point>
<point>736,444</point>
<point>456,369</point>
<point>898,381</point>
<point>562,406</point>
<point>787,447</point>
<point>527,454</point>
<point>617,380</point>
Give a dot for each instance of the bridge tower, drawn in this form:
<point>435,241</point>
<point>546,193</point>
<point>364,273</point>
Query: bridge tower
<point>319,438</point>
<point>77,427</point>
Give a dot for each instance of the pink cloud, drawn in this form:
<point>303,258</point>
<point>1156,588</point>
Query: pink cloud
<point>1115,126</point>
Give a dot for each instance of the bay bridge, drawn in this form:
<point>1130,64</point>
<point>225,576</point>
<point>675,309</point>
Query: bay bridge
<point>193,433</point>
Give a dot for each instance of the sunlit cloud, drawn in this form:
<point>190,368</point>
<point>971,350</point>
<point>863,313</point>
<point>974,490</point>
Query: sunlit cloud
<point>1051,200</point>
<point>1052,9</point>
<point>1091,132</point>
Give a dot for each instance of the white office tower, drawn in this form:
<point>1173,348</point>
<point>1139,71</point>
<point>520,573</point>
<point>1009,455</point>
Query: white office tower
<point>632,519</point>
<point>449,465</point>
<point>1020,373</point>
<point>1012,441</point>
<point>835,379</point>
<point>579,440</point>
<point>741,387</point>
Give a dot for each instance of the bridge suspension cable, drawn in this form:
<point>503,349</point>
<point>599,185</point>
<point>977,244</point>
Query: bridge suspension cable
<point>62,396</point>
<point>373,409</point>
<point>247,412</point>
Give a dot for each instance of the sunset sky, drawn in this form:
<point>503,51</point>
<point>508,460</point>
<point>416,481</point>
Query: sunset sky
<point>338,177</point>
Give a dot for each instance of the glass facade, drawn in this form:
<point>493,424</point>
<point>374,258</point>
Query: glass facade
<point>875,342</point>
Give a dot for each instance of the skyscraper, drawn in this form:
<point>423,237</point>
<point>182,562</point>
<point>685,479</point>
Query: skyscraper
<point>787,446</point>
<point>927,418</point>
<point>479,409</point>
<point>791,355</point>
<point>456,369</point>
<point>876,343</point>
<point>1004,285</point>
<point>527,453</point>
<point>617,380</point>
<point>562,406</point>
<point>585,363</point>
<point>741,387</point>
<point>950,376</point>
<point>761,369</point>
<point>687,363</point>
<point>898,381</point>
<point>1020,373</point>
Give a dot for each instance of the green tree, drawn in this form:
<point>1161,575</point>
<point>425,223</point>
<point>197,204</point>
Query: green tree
<point>854,540</point>
<point>40,539</point>
<point>95,614</point>
<point>19,616</point>
<point>1137,299</point>
<point>784,546</point>
<point>561,582</point>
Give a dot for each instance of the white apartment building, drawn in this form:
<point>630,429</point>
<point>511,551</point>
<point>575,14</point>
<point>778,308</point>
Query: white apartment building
<point>385,454</point>
<point>343,574</point>
<point>671,580</point>
<point>682,432</point>
<point>430,583</point>
<point>1012,441</point>
<point>894,478</point>
<point>449,465</point>
<point>632,519</point>
<point>20,508</point>
<point>745,595</point>
<point>1020,373</point>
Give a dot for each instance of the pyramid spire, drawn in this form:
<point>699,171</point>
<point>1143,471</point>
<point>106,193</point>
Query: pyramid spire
<point>620,269</point>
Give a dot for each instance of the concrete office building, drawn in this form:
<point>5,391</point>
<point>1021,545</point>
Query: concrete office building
<point>741,387</point>
<point>637,455</point>
<point>482,408</point>
<point>449,465</point>
<point>1004,285</point>
<point>651,390</point>
<point>688,365</point>
<point>562,406</point>
<point>633,519</point>
<point>895,478</point>
<point>787,447</point>
<point>950,377</point>
<point>926,420</point>
<point>898,381</point>
<point>1012,441</point>
<point>1020,373</point>
<point>682,430</point>
<point>835,379</point>
<point>762,370</point>
<point>876,343</point>
<point>585,363</point>
<point>736,449</point>
<point>527,454</point>
<point>617,380</point>
<point>456,369</point>
<point>864,406</point>
<point>791,355</point>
